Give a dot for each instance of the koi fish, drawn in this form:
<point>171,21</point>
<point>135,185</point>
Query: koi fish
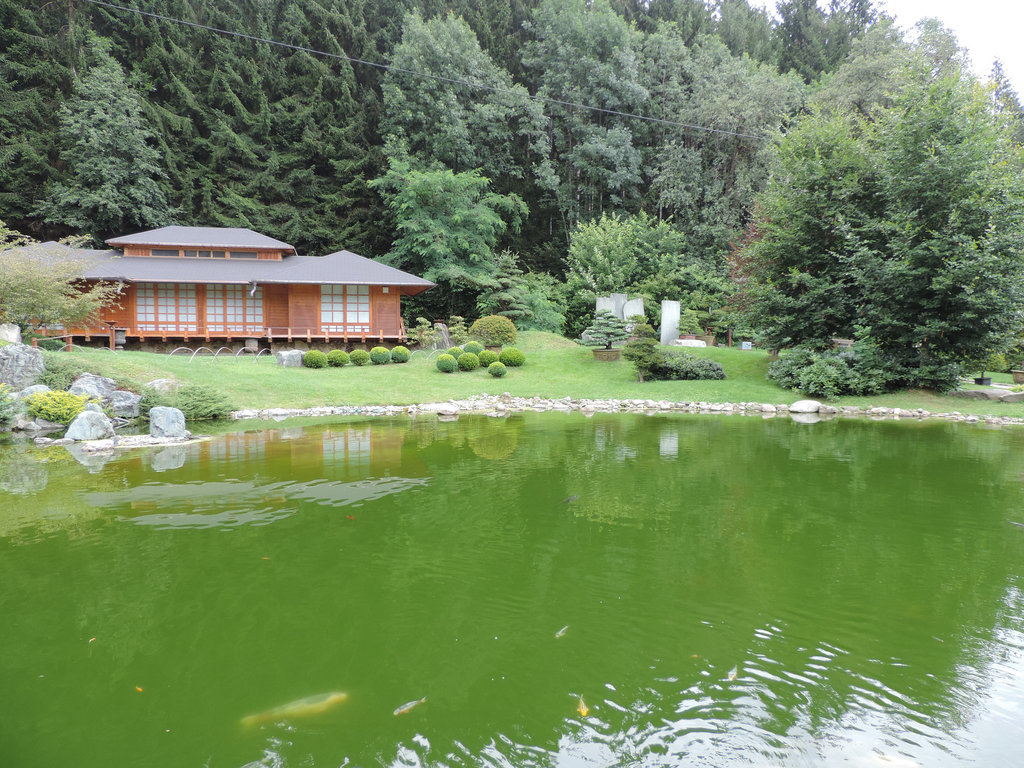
<point>570,499</point>
<point>1019,525</point>
<point>732,673</point>
<point>408,707</point>
<point>311,705</point>
<point>583,709</point>
<point>561,632</point>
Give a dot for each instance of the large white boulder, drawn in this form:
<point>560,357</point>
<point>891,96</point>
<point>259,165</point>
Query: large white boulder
<point>89,425</point>
<point>10,332</point>
<point>289,358</point>
<point>166,422</point>
<point>805,406</point>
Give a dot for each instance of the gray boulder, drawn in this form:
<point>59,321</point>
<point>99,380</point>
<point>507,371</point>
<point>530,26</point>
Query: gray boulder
<point>166,422</point>
<point>805,406</point>
<point>35,389</point>
<point>92,405</point>
<point>92,385</point>
<point>123,403</point>
<point>289,358</point>
<point>164,386</point>
<point>20,365</point>
<point>10,333</point>
<point>89,425</point>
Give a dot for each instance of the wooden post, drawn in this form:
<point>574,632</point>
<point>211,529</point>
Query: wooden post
<point>730,337</point>
<point>113,342</point>
<point>67,343</point>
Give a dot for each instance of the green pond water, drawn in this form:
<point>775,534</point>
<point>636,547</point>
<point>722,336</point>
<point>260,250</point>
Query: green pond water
<point>710,591</point>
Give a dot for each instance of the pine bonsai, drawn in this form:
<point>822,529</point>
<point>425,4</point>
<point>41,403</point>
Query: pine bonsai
<point>605,331</point>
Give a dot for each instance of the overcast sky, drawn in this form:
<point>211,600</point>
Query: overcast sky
<point>988,29</point>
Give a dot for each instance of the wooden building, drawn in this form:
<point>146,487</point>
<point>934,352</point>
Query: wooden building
<point>225,284</point>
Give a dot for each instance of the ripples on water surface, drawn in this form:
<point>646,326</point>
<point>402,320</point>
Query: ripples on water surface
<point>734,592</point>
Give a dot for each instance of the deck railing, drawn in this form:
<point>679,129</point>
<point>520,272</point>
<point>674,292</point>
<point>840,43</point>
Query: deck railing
<point>235,332</point>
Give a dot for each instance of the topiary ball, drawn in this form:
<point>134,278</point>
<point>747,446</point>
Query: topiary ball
<point>447,364</point>
<point>494,330</point>
<point>400,355</point>
<point>337,358</point>
<point>473,346</point>
<point>380,355</point>
<point>487,357</point>
<point>315,359</point>
<point>497,370</point>
<point>359,357</point>
<point>454,352</point>
<point>468,361</point>
<point>512,357</point>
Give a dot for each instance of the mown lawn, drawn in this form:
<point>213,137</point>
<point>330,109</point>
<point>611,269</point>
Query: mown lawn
<point>555,367</point>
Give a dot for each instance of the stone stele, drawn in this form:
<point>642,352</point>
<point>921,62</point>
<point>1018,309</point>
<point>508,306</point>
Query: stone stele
<point>670,313</point>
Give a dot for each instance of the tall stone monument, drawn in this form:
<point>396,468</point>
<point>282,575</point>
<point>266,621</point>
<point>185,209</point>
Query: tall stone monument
<point>670,313</point>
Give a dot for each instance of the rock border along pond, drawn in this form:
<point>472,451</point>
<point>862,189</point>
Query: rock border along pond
<point>805,411</point>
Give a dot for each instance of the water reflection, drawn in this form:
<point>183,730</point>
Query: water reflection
<point>861,579</point>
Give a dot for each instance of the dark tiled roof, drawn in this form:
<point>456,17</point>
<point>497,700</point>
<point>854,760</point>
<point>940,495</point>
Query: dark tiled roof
<point>338,268</point>
<point>201,237</point>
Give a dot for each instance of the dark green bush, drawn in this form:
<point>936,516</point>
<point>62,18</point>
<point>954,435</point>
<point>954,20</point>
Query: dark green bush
<point>314,359</point>
<point>473,346</point>
<point>494,330</point>
<point>51,344</point>
<point>59,370</point>
<point>487,357</point>
<point>455,352</point>
<point>57,406</point>
<point>675,365</point>
<point>198,402</point>
<point>359,357</point>
<point>400,355</point>
<point>447,363</point>
<point>497,370</point>
<point>468,361</point>
<point>337,358</point>
<point>861,370</point>
<point>380,355</point>
<point>512,357</point>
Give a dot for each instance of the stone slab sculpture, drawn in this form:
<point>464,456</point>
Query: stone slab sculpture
<point>620,302</point>
<point>604,304</point>
<point>670,313</point>
<point>633,307</point>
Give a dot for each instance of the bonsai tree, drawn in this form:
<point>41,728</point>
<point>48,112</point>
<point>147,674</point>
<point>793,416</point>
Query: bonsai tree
<point>605,331</point>
<point>689,325</point>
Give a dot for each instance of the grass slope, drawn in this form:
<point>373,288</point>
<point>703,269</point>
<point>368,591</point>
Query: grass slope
<point>555,367</point>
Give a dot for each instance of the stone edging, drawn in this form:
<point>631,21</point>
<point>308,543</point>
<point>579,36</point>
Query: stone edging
<point>806,411</point>
<point>109,445</point>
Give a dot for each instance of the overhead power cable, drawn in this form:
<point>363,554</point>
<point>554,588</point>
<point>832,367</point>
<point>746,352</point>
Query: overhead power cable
<point>426,75</point>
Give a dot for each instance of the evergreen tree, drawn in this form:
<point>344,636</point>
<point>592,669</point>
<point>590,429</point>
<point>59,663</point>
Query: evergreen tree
<point>111,169</point>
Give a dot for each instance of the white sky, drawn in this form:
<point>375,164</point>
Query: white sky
<point>988,29</point>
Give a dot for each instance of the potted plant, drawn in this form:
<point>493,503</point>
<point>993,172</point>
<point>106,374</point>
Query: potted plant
<point>994,362</point>
<point>689,325</point>
<point>605,331</point>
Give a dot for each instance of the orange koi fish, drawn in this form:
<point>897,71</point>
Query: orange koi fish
<point>583,709</point>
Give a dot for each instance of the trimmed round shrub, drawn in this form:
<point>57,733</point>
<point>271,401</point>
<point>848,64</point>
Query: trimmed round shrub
<point>455,352</point>
<point>57,406</point>
<point>380,355</point>
<point>468,361</point>
<point>512,357</point>
<point>474,346</point>
<point>315,359</point>
<point>497,370</point>
<point>447,364</point>
<point>337,358</point>
<point>400,355</point>
<point>487,357</point>
<point>359,357</point>
<point>494,330</point>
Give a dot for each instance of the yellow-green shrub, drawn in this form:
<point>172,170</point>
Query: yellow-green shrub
<point>57,406</point>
